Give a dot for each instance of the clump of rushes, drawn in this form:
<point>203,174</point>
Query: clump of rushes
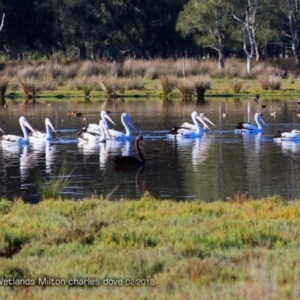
<point>236,85</point>
<point>268,81</point>
<point>4,83</point>
<point>134,67</point>
<point>186,88</point>
<point>275,82</point>
<point>110,85</point>
<point>85,85</point>
<point>135,83</point>
<point>30,87</point>
<point>201,83</point>
<point>263,81</point>
<point>168,84</point>
<point>50,189</point>
<point>291,77</point>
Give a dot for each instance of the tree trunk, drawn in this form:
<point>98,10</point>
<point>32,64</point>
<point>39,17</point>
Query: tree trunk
<point>82,52</point>
<point>294,30</point>
<point>221,60</point>
<point>220,45</point>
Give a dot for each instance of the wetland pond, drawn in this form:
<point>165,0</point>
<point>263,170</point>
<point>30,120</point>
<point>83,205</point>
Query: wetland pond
<point>215,166</point>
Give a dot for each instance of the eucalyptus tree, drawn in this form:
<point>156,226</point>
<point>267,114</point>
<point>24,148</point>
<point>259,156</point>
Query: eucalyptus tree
<point>289,10</point>
<point>207,22</point>
<point>245,13</point>
<point>29,26</point>
<point>81,25</point>
<point>147,28</point>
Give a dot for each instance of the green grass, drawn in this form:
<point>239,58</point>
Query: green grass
<point>220,87</point>
<point>245,249</point>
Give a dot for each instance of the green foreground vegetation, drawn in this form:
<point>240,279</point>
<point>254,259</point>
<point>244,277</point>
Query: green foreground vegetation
<point>239,249</point>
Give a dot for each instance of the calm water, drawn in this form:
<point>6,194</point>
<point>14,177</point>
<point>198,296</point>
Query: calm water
<point>215,166</point>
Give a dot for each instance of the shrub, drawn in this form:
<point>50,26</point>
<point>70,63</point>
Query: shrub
<point>168,84</point>
<point>236,85</point>
<point>201,83</point>
<point>186,88</point>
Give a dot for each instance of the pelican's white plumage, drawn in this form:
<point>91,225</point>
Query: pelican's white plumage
<point>189,133</point>
<point>95,128</point>
<point>248,127</point>
<point>191,126</point>
<point>294,135</point>
<point>11,138</point>
<point>85,136</point>
<point>127,122</point>
<point>42,136</point>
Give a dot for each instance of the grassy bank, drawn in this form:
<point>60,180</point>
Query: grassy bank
<point>181,78</point>
<point>174,250</point>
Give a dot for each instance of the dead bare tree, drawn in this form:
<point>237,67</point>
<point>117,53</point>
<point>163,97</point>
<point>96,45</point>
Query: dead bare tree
<point>249,22</point>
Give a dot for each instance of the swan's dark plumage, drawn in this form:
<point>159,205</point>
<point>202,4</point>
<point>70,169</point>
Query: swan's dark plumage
<point>131,161</point>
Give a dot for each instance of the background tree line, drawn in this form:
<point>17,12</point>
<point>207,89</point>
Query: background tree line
<point>116,29</point>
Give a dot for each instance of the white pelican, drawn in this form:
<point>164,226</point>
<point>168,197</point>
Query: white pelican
<point>10,138</point>
<point>191,126</point>
<point>189,133</point>
<point>294,135</point>
<point>40,136</point>
<point>247,127</point>
<point>85,136</point>
<point>126,121</point>
<point>96,127</point>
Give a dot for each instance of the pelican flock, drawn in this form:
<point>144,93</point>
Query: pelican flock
<point>188,130</point>
<point>193,126</point>
<point>101,132</point>
<point>84,135</point>
<point>96,128</point>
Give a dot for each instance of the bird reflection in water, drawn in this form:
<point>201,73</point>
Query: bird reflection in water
<point>26,162</point>
<point>140,185</point>
<point>200,150</point>
<point>48,149</point>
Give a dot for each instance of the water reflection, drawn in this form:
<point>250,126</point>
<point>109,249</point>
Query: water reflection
<point>200,150</point>
<point>214,166</point>
<point>46,149</point>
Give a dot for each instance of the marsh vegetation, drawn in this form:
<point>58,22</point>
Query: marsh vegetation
<point>181,78</point>
<point>229,249</point>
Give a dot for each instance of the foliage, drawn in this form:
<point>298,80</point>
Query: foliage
<point>168,84</point>
<point>227,249</point>
<point>236,85</point>
<point>51,188</point>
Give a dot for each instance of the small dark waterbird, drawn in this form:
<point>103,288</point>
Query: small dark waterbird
<point>255,98</point>
<point>131,161</point>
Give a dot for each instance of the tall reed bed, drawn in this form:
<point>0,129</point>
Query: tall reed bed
<point>131,74</point>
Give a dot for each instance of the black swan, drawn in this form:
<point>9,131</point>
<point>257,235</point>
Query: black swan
<point>131,161</point>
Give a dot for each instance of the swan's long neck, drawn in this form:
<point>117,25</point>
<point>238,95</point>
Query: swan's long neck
<point>140,154</point>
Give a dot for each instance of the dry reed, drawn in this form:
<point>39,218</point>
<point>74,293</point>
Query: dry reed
<point>201,83</point>
<point>186,87</point>
<point>168,84</point>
